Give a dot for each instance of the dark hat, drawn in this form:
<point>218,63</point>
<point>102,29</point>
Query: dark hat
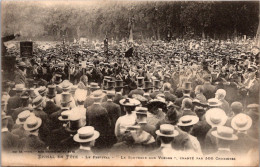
<point>156,84</point>
<point>51,91</point>
<point>140,81</point>
<point>105,84</point>
<point>187,86</point>
<point>42,90</point>
<point>30,83</point>
<point>119,84</point>
<point>65,98</point>
<point>110,85</point>
<point>148,85</point>
<point>75,122</point>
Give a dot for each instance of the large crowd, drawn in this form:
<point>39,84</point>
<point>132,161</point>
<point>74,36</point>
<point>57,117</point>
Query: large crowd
<point>166,98</point>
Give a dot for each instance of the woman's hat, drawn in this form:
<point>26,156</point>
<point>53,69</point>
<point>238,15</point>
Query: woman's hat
<point>32,123</point>
<point>216,117</point>
<point>188,120</point>
<point>213,102</point>
<point>129,102</point>
<point>167,130</point>
<point>23,116</point>
<point>225,133</point>
<point>98,94</point>
<point>241,122</point>
<point>86,134</point>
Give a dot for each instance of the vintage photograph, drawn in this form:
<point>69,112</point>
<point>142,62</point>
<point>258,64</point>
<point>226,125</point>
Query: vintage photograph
<point>130,83</point>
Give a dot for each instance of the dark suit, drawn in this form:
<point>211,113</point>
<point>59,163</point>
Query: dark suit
<point>19,77</point>
<point>59,135</point>
<point>114,112</point>
<point>210,143</point>
<point>51,107</point>
<point>209,90</point>
<point>20,132</point>
<point>97,116</point>
<point>136,91</point>
<point>88,102</point>
<point>10,142</point>
<point>45,127</point>
<point>33,143</point>
<point>13,103</point>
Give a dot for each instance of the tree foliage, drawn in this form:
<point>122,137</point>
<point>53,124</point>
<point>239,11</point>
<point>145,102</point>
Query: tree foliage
<point>93,19</point>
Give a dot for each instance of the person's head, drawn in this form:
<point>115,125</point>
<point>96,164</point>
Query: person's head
<point>86,136</point>
<point>166,86</point>
<point>186,103</point>
<point>220,94</point>
<point>166,133</point>
<point>237,107</point>
<point>129,109</point>
<point>186,122</point>
<point>4,118</point>
<point>199,89</point>
<point>225,136</point>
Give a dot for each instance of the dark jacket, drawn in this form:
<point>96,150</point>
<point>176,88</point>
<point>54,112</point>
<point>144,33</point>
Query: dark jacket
<point>33,143</point>
<point>97,116</point>
<point>209,90</point>
<point>10,142</point>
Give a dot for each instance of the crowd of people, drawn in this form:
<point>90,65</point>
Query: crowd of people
<point>166,98</point>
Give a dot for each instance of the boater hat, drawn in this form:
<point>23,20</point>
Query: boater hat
<point>241,122</point>
<point>216,117</point>
<point>224,133</point>
<point>32,123</point>
<point>98,94</point>
<point>167,130</point>
<point>188,120</point>
<point>65,115</point>
<point>23,116</point>
<point>86,134</point>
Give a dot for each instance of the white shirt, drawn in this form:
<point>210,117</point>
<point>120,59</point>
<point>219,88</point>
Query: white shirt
<point>4,130</point>
<point>84,148</point>
<point>122,123</point>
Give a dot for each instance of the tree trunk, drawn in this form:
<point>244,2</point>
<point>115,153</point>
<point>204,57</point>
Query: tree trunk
<point>158,33</point>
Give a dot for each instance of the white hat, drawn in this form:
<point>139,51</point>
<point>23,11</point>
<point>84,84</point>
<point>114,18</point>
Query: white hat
<point>23,116</point>
<point>225,133</point>
<point>167,130</point>
<point>129,102</point>
<point>65,115</point>
<point>216,117</point>
<point>241,122</point>
<point>32,123</point>
<point>188,120</point>
<point>86,134</point>
<point>213,102</point>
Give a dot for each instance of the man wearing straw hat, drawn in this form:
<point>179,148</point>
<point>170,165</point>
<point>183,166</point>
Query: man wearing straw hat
<point>33,142</point>
<point>86,137</point>
<point>166,135</point>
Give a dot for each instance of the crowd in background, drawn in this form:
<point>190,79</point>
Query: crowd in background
<point>165,98</point>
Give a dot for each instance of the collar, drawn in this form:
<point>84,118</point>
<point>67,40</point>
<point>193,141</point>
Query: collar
<point>242,132</point>
<point>85,148</point>
<point>119,93</point>
<point>109,100</point>
<point>166,145</point>
<point>99,103</point>
<point>223,149</point>
<point>4,130</point>
<point>186,95</point>
<point>167,91</point>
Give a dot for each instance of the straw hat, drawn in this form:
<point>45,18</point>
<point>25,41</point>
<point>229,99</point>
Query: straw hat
<point>241,122</point>
<point>129,102</point>
<point>188,120</point>
<point>23,116</point>
<point>224,133</point>
<point>216,117</point>
<point>32,123</point>
<point>86,134</point>
<point>167,130</point>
